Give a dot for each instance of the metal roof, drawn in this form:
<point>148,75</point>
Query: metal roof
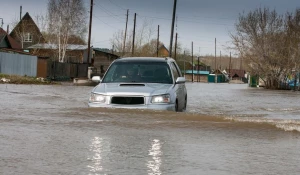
<point>197,72</point>
<point>104,51</point>
<point>55,46</point>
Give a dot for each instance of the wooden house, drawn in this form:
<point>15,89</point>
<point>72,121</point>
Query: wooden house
<point>102,59</point>
<point>236,73</point>
<point>162,51</point>
<point>27,33</point>
<point>7,41</point>
<point>75,53</point>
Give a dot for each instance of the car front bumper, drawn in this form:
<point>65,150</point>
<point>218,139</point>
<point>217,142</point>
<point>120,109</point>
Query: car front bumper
<point>165,107</point>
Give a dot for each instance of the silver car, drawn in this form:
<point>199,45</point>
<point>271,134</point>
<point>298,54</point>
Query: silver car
<point>141,83</point>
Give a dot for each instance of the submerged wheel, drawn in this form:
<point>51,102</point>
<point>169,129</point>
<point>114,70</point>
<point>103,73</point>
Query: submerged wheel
<point>185,103</point>
<point>176,106</point>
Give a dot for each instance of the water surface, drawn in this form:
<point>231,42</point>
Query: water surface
<point>227,129</point>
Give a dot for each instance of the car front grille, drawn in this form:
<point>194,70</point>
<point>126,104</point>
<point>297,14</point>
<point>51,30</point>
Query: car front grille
<point>127,100</point>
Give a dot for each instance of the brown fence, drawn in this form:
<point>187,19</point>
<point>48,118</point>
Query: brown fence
<point>61,71</point>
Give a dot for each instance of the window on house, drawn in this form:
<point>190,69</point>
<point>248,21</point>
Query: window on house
<point>27,37</point>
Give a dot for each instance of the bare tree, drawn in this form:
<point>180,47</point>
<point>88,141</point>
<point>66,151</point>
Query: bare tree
<point>150,48</point>
<point>264,41</point>
<point>66,18</point>
<point>144,35</point>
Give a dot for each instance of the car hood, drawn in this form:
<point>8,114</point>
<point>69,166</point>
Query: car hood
<point>144,89</point>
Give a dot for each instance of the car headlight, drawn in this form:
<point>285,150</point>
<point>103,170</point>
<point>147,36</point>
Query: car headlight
<point>97,98</point>
<point>161,99</point>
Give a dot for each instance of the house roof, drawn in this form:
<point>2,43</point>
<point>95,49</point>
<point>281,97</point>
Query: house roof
<point>236,72</point>
<point>27,17</point>
<point>13,44</point>
<point>55,46</point>
<point>197,72</point>
<point>162,46</point>
<point>16,51</point>
<point>104,51</point>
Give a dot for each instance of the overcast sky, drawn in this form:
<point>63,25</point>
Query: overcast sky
<point>198,21</point>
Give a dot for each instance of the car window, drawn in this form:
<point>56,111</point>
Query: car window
<point>178,69</point>
<point>175,71</point>
<point>138,72</point>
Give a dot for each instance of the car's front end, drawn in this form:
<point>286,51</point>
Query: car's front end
<point>140,83</point>
<point>133,96</point>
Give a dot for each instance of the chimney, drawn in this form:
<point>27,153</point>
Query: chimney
<point>20,13</point>
<point>7,31</point>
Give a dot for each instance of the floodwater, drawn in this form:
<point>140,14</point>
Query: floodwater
<point>227,129</point>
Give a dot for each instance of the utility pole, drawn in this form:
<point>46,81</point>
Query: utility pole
<point>220,62</point>
<point>198,73</point>
<point>113,48</point>
<point>192,62</point>
<point>184,63</point>
<point>230,66</point>
<point>133,35</point>
<point>216,60</point>
<point>172,28</point>
<point>125,33</point>
<point>176,47</point>
<point>198,65</point>
<point>90,31</point>
<point>157,45</point>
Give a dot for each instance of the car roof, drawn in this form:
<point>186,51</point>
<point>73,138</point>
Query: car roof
<point>145,59</point>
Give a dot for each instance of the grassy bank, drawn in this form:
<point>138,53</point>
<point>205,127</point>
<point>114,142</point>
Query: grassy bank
<point>16,79</point>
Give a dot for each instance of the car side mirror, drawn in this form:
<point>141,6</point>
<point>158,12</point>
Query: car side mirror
<point>96,79</point>
<point>180,80</point>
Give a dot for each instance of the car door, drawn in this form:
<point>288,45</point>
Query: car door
<point>179,87</point>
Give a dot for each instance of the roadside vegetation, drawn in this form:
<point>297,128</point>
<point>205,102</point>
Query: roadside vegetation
<point>16,79</point>
<point>269,44</point>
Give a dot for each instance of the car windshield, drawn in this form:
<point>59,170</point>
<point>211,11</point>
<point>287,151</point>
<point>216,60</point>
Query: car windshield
<point>138,72</point>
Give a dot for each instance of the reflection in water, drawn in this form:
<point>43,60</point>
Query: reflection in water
<point>96,148</point>
<point>156,153</point>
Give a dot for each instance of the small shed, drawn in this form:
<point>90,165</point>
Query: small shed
<point>221,77</point>
<point>102,59</point>
<point>197,76</point>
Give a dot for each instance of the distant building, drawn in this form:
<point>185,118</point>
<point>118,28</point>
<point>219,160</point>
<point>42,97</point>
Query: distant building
<point>75,53</point>
<point>236,73</point>
<point>7,41</point>
<point>162,51</point>
<point>102,58</point>
<point>27,33</point>
<point>197,76</point>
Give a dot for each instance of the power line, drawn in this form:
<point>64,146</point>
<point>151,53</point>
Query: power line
<point>104,22</point>
<point>109,16</point>
<point>192,21</point>
<point>109,13</point>
<point>117,5</point>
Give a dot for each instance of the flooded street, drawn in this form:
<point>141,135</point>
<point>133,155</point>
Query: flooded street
<point>227,129</point>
